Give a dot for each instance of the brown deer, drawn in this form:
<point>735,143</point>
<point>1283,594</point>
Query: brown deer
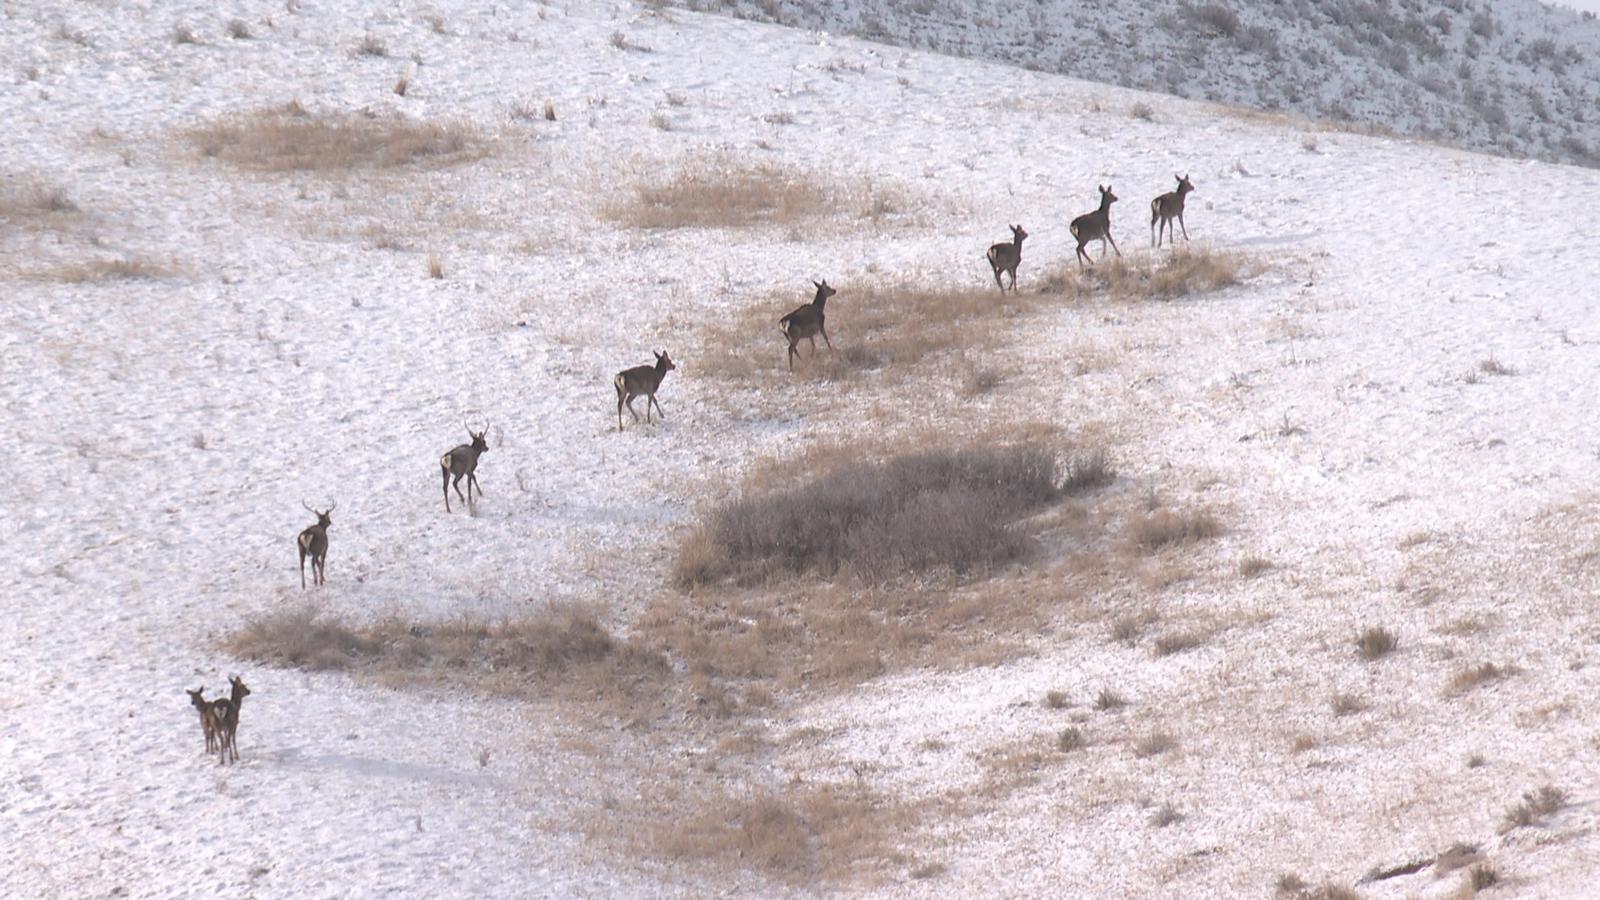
<point>462,462</point>
<point>1167,207</point>
<point>208,716</point>
<point>1097,224</point>
<point>642,381</point>
<point>313,542</point>
<point>228,721</point>
<point>807,322</point>
<point>1006,257</point>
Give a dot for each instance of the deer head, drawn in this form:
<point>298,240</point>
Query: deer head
<point>823,291</point>
<point>663,362</point>
<point>322,515</point>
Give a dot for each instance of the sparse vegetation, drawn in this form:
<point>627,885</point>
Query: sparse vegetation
<point>1070,739</point>
<point>372,46</point>
<point>1254,566</point>
<point>1534,808</point>
<point>289,139</point>
<point>1483,876</point>
<point>1056,700</point>
<point>1154,744</point>
<point>100,270</point>
<point>1161,528</point>
<point>1178,641</point>
<point>435,266</point>
<point>1189,271</point>
<point>1108,700</point>
<point>1375,642</point>
<point>1478,676</point>
<point>724,195</point>
<point>183,34</point>
<point>1456,856</point>
<point>238,29</point>
<point>561,646</point>
<point>1142,111</point>
<point>1347,704</point>
<point>918,513</point>
<point>1491,366</point>
<point>1166,815</point>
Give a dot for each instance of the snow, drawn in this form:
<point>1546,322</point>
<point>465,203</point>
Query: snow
<point>312,363</point>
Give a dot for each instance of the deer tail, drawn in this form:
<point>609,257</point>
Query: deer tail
<point>621,384</point>
<point>1155,210</point>
<point>1074,229</point>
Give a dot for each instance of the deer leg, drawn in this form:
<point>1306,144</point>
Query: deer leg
<point>1082,256</point>
<point>457,485</point>
<point>1185,227</point>
<point>302,569</point>
<point>446,488</point>
<point>824,339</point>
<point>813,340</point>
<point>1113,244</point>
<point>472,482</point>
<point>997,280</point>
<point>658,407</point>
<point>792,355</point>
<point>1013,279</point>
<point>632,410</point>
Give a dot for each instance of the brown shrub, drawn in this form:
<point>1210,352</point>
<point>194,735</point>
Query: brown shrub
<point>1477,676</point>
<point>289,139</point>
<point>100,270</point>
<point>718,194</point>
<point>1534,807</point>
<point>922,512</point>
<point>1183,273</point>
<point>1376,643</point>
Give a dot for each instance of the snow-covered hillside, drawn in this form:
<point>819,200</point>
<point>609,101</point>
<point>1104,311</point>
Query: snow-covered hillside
<point>1511,77</point>
<point>1389,420</point>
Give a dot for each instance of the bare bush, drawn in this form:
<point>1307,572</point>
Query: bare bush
<point>372,46</point>
<point>238,29</point>
<point>562,644</point>
<point>936,510</point>
<point>1142,111</point>
<point>1108,700</point>
<point>1056,700</point>
<point>712,194</point>
<point>1070,739</point>
<point>1534,807</point>
<point>289,139</point>
<point>1375,642</point>
<point>1154,744</point>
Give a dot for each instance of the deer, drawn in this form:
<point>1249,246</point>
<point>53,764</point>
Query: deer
<point>313,542</point>
<point>1097,224</point>
<point>228,722</point>
<point>1005,257</point>
<point>1167,207</point>
<point>462,462</point>
<point>209,722</point>
<point>642,381</point>
<point>808,321</point>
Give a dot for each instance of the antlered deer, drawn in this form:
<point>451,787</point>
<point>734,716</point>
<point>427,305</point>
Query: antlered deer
<point>209,723</point>
<point>228,726</point>
<point>1167,207</point>
<point>807,322</point>
<point>462,462</point>
<point>642,381</point>
<point>1005,257</point>
<point>1097,224</point>
<point>313,542</point>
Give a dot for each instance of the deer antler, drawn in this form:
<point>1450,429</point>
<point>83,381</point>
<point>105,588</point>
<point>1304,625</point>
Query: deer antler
<point>315,512</point>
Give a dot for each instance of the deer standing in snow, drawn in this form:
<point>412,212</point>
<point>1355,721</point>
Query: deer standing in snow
<point>313,542</point>
<point>642,381</point>
<point>208,716</point>
<point>462,462</point>
<point>228,721</point>
<point>1167,207</point>
<point>1097,224</point>
<point>1005,257</point>
<point>807,322</point>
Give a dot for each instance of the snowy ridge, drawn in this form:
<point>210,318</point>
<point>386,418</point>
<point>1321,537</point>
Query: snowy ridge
<point>1512,77</point>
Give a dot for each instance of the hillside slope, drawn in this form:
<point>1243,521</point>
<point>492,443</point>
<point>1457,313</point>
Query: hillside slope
<point>1510,77</point>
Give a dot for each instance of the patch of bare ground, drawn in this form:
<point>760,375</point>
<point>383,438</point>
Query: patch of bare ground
<point>293,139</point>
<point>1188,272</point>
<point>562,648</point>
<point>721,192</point>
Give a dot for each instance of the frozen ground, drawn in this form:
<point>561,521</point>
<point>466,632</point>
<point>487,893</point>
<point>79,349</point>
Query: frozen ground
<point>1335,414</point>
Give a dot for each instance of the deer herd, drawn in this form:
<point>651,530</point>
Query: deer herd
<point>219,718</point>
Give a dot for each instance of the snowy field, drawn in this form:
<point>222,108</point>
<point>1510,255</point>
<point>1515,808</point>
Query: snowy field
<point>1395,413</point>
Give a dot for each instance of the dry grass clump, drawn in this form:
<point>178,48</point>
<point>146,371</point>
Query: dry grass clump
<point>1186,272</point>
<point>289,139</point>
<point>1375,643</point>
<point>102,270</point>
<point>1056,700</point>
<point>1108,700</point>
<point>1154,744</point>
<point>1178,641</point>
<point>1347,704</point>
<point>1166,815</point>
<point>1477,676</point>
<point>1254,566</point>
<point>1534,807</point>
<point>1456,856</point>
<point>721,194</point>
<point>561,645</point>
<point>796,833</point>
<point>1161,528</point>
<point>435,266</point>
<point>914,514</point>
<point>1070,739</point>
<point>24,202</point>
<point>238,29</point>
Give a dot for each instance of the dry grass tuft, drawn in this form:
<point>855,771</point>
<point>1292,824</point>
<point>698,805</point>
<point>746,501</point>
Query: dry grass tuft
<point>1178,641</point>
<point>798,833</point>
<point>1478,676</point>
<point>183,34</point>
<point>238,29</point>
<point>919,513</point>
<point>719,194</point>
<point>1534,807</point>
<point>561,646</point>
<point>1483,876</point>
<point>290,139</point>
<point>435,266</point>
<point>1187,272</point>
<point>1492,366</point>
<point>1056,700</point>
<point>1108,700</point>
<point>1161,528</point>
<point>1166,815</point>
<point>22,202</point>
<point>372,46</point>
<point>1347,704</point>
<point>1070,739</point>
<point>1254,566</point>
<point>1375,643</point>
<point>1154,744</point>
<point>103,270</point>
<point>1456,856</point>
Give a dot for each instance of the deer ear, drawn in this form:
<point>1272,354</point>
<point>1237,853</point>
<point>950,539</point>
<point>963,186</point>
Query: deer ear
<point>816,282</point>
